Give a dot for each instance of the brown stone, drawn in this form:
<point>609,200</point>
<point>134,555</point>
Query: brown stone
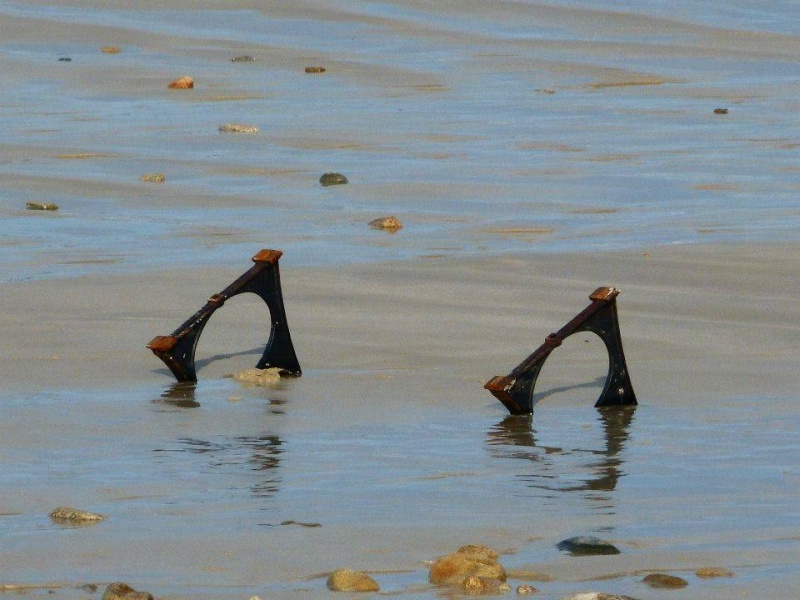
<point>154,177</point>
<point>475,584</point>
<point>711,572</point>
<point>661,580</point>
<point>315,69</point>
<point>467,561</point>
<point>110,49</point>
<point>526,590</point>
<point>73,515</point>
<point>391,224</point>
<point>347,580</point>
<point>237,128</point>
<point>182,83</point>
<point>41,206</point>
<point>720,111</point>
<point>122,591</point>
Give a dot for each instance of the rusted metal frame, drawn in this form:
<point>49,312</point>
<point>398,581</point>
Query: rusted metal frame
<point>516,389</point>
<point>177,350</point>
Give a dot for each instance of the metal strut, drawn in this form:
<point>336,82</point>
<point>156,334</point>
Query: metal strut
<point>263,279</point>
<point>515,390</point>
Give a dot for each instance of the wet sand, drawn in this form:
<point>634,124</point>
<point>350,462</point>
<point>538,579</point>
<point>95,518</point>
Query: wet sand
<point>533,151</point>
<point>388,440</point>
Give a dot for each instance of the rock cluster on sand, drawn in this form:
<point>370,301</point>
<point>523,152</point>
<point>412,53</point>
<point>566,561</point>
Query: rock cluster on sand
<point>315,69</point>
<point>465,564</point>
<point>182,83</point>
<point>347,580</point>
<point>122,591</point>
<point>73,515</point>
<point>586,545</point>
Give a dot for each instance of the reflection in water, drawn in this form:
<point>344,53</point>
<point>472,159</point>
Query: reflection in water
<point>514,437</point>
<point>260,453</point>
<point>180,394</point>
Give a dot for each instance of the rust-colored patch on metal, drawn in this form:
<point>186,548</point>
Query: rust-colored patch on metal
<point>515,390</point>
<point>263,279</point>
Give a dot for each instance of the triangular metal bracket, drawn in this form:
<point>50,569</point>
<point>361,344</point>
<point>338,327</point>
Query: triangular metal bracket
<point>263,279</point>
<point>515,390</point>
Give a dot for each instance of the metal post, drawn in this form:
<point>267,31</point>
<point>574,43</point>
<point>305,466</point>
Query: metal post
<point>263,279</point>
<point>515,390</point>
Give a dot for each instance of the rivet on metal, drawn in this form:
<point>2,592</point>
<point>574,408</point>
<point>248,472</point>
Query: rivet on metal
<point>515,390</point>
<point>263,279</point>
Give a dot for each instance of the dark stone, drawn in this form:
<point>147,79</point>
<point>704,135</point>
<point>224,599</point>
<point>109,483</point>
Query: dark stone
<point>587,546</point>
<point>660,580</point>
<point>122,591</point>
<point>332,179</point>
<point>720,111</point>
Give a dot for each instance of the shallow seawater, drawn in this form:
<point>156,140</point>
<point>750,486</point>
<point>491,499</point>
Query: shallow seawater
<point>226,491</point>
<point>517,127</point>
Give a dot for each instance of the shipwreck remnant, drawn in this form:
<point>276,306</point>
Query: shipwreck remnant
<point>515,390</point>
<point>263,279</point>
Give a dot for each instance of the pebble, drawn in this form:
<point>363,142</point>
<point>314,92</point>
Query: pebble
<point>259,376</point>
<point>182,83</point>
<point>315,69</point>
<point>238,128</point>
<point>154,177</point>
<point>526,590</point>
<point>110,49</point>
<point>243,58</point>
<point>483,585</point>
<point>73,515</point>
<point>391,224</point>
<point>347,580</point>
<point>661,580</point>
<point>710,572</point>
<point>65,59</point>
<point>467,561</point>
<point>720,111</point>
<point>585,545</point>
<point>122,591</point>
<point>41,206</point>
<point>332,179</point>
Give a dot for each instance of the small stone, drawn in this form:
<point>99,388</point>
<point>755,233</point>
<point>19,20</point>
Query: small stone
<point>110,49</point>
<point>122,591</point>
<point>73,515</point>
<point>41,206</point>
<point>259,376</point>
<point>182,83</point>
<point>237,128</point>
<point>347,580</point>
<point>467,561</point>
<point>585,545</point>
<point>711,572</point>
<point>332,179</point>
<point>475,584</point>
<point>64,59</point>
<point>720,111</point>
<point>243,58</point>
<point>391,224</point>
<point>315,69</point>
<point>661,580</point>
<point>526,590</point>
<point>154,177</point>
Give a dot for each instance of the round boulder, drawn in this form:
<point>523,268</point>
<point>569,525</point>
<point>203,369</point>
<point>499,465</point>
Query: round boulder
<point>347,580</point>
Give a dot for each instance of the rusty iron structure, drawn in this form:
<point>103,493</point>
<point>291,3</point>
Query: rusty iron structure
<point>515,390</point>
<point>263,279</point>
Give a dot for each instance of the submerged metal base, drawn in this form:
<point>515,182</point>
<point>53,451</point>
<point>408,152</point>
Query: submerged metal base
<point>263,279</point>
<point>515,390</point>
